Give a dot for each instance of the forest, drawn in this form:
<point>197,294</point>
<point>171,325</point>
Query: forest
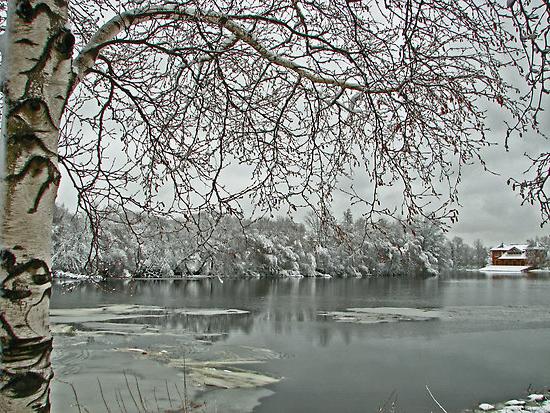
<point>277,247</point>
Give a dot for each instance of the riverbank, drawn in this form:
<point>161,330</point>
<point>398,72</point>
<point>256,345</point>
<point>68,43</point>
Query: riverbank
<point>533,403</point>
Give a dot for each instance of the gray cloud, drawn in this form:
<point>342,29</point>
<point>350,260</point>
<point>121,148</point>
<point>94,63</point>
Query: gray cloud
<point>490,210</point>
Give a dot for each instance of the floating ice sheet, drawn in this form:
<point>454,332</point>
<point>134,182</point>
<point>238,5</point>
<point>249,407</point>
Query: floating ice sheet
<point>381,315</point>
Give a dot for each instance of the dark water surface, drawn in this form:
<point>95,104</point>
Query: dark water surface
<point>491,344</point>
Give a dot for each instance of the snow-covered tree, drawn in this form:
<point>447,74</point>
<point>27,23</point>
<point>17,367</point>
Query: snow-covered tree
<point>481,254</point>
<point>71,239</point>
<point>461,254</point>
<point>295,91</point>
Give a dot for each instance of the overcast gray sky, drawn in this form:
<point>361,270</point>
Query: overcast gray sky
<point>491,211</point>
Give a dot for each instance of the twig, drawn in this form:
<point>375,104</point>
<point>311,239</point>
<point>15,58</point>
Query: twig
<point>118,402</point>
<point>390,397</point>
<point>75,395</point>
<point>130,391</point>
<point>102,396</point>
<point>184,385</point>
<point>139,394</point>
<point>179,394</point>
<point>168,392</point>
<point>122,400</point>
<point>434,399</point>
<point>156,400</point>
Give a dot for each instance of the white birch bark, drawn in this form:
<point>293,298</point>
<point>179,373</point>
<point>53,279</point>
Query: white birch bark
<point>37,72</point>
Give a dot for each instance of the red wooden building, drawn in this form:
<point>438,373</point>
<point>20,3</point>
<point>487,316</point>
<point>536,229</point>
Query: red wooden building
<point>517,255</point>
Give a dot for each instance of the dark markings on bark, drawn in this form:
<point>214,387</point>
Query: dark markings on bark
<point>7,259</point>
<point>29,141</point>
<point>19,384</point>
<point>41,278</point>
<point>26,41</point>
<point>35,166</point>
<point>34,265</point>
<point>27,13</point>
<point>25,384</point>
<point>222,21</point>
<point>53,177</point>
<point>38,278</point>
<point>15,295</point>
<point>25,10</point>
<point>65,43</point>
<point>46,293</point>
<point>14,270</point>
<point>16,350</point>
<point>52,43</point>
<point>39,406</point>
<point>34,104</point>
<point>22,385</point>
<point>17,247</point>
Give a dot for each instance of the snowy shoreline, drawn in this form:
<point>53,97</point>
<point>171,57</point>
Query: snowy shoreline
<point>69,276</point>
<point>533,403</point>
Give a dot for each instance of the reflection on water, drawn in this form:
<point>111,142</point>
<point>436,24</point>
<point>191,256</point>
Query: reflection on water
<point>490,343</point>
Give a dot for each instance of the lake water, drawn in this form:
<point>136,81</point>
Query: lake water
<point>490,341</point>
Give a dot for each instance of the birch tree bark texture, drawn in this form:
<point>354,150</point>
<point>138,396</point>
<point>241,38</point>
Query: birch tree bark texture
<point>36,69</point>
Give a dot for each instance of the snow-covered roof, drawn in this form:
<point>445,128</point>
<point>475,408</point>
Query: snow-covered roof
<point>506,247</point>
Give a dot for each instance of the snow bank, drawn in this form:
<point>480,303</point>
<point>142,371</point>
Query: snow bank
<point>535,403</point>
<point>66,275</point>
<point>505,268</point>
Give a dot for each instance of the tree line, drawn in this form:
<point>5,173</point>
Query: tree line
<point>278,247</point>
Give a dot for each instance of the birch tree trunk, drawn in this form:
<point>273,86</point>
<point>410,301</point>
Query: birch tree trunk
<point>37,72</point>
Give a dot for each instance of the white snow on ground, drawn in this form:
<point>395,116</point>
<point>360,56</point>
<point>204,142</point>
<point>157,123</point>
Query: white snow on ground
<point>505,268</point>
<point>515,402</point>
<point>66,275</point>
<point>535,403</point>
<point>70,275</point>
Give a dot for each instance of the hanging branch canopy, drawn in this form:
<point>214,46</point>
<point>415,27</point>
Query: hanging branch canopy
<point>167,97</point>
